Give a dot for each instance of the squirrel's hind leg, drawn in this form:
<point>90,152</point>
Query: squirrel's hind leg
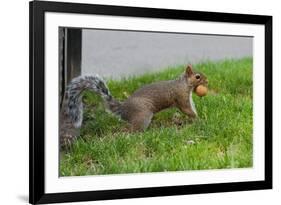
<point>140,121</point>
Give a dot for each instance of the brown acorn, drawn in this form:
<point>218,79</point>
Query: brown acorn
<point>201,90</point>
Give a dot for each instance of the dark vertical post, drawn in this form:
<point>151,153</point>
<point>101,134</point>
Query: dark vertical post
<point>73,52</point>
<point>70,51</point>
<point>62,81</point>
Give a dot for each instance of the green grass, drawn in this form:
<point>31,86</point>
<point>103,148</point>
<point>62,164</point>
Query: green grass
<point>220,138</point>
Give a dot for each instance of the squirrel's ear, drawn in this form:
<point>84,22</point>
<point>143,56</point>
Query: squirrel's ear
<point>188,71</point>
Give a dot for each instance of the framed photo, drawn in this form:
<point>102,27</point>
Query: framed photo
<point>140,102</point>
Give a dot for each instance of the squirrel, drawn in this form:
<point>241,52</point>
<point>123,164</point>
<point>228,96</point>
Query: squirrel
<point>138,109</point>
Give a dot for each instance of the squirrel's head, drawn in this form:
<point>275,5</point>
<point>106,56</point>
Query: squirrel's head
<point>195,78</point>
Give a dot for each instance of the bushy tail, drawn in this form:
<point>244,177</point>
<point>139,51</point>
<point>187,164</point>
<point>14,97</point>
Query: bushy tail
<point>73,97</point>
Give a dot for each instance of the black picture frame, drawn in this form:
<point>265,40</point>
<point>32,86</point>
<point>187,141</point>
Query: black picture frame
<point>37,11</point>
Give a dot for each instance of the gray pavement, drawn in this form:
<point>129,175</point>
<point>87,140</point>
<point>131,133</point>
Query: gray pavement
<point>124,53</point>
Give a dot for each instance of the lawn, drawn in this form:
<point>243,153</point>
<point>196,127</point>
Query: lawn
<point>221,137</point>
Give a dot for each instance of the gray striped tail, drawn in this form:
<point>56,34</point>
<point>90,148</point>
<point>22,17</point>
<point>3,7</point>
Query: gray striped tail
<point>73,97</point>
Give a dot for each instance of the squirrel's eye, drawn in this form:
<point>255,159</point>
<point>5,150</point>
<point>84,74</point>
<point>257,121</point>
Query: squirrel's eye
<point>197,76</point>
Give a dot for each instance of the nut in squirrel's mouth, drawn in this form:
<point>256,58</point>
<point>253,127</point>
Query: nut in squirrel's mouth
<point>201,84</point>
<point>201,90</point>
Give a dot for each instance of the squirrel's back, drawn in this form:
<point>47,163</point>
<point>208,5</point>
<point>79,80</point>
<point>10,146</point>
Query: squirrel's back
<point>153,97</point>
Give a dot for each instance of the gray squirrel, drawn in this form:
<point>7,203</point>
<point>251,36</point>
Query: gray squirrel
<point>138,109</point>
